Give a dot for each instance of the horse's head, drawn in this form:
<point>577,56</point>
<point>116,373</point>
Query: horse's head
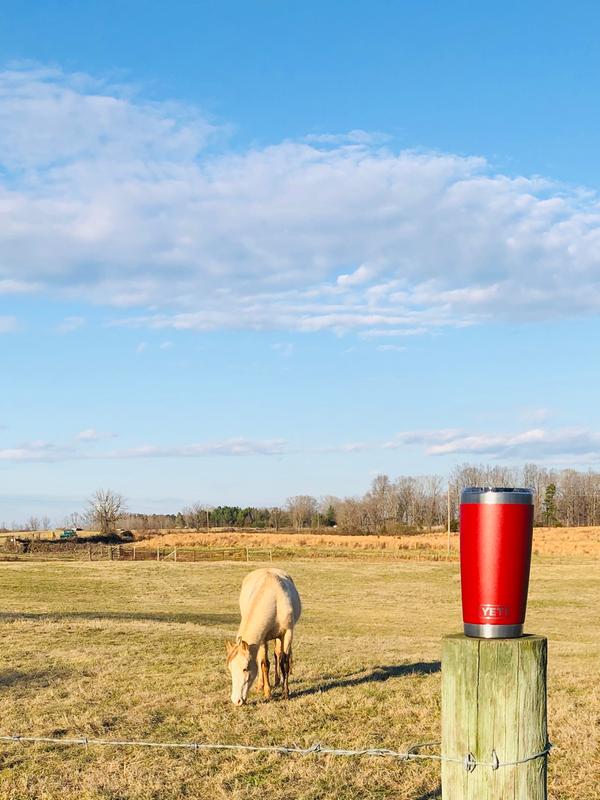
<point>243,667</point>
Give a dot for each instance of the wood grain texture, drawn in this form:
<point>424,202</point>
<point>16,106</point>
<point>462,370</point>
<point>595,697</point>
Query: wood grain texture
<point>494,700</point>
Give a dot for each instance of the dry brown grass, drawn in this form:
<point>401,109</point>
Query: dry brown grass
<point>547,541</point>
<point>135,650</point>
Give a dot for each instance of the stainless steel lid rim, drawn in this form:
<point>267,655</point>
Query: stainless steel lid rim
<point>491,495</point>
<point>488,631</point>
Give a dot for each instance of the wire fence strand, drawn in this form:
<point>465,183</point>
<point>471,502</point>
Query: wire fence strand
<point>412,754</point>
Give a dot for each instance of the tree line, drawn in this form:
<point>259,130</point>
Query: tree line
<point>391,505</point>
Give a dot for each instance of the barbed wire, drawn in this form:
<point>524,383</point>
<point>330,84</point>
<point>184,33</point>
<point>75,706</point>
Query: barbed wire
<point>469,762</point>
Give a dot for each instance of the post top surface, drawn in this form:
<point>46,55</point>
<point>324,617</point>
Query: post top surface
<point>527,637</point>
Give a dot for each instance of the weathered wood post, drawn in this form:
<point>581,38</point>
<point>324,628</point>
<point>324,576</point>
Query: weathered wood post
<point>494,712</point>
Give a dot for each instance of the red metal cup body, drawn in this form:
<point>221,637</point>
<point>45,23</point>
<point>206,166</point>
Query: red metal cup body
<point>496,527</point>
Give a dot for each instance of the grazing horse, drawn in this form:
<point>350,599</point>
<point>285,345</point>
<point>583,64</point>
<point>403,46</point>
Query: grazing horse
<point>270,607</point>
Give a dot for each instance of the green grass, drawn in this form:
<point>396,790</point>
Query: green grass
<point>136,650</point>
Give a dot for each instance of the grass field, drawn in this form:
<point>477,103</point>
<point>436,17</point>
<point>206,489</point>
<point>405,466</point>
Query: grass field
<point>135,650</point>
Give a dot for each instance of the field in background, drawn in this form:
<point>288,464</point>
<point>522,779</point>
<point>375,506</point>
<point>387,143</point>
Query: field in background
<point>123,650</point>
<point>546,541</point>
<point>583,542</point>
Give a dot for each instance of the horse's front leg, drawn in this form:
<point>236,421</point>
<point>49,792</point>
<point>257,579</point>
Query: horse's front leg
<point>263,660</point>
<point>277,655</point>
<point>286,662</point>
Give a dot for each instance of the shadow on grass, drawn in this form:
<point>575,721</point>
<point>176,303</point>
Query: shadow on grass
<point>123,616</point>
<point>378,675</point>
<point>35,677</point>
<point>432,795</point>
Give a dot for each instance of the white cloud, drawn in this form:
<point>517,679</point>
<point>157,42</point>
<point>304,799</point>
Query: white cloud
<point>113,200</point>
<point>361,275</point>
<point>42,451</point>
<point>70,324</point>
<point>391,348</point>
<point>8,324</point>
<point>557,446</point>
<point>36,451</point>
<point>141,347</point>
<point>92,435</point>
<point>286,349</point>
<point>541,444</point>
<point>537,414</point>
<point>12,286</point>
<point>227,447</point>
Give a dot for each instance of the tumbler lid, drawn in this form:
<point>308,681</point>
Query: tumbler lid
<point>495,495</point>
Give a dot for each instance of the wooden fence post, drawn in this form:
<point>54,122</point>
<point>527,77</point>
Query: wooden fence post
<point>158,553</point>
<point>494,706</point>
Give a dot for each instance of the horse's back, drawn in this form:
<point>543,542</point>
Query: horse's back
<point>271,593</point>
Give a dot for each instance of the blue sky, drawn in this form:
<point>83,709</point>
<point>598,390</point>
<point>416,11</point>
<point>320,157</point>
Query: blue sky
<point>249,250</point>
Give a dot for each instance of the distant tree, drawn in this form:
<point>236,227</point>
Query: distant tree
<point>32,524</point>
<point>197,516</point>
<point>105,508</point>
<point>76,520</point>
<point>329,520</point>
<point>179,520</point>
<point>301,509</point>
<point>550,505</point>
<point>275,517</point>
<point>45,523</point>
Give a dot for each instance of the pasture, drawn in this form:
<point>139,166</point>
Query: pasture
<point>122,650</point>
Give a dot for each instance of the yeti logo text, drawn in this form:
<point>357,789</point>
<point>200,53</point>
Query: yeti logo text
<point>492,612</point>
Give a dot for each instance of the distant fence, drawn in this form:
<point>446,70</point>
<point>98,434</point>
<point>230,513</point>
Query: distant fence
<point>188,554</point>
<point>127,552</point>
<point>71,551</point>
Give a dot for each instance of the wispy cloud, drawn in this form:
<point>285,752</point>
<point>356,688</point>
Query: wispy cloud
<point>13,286</point>
<point>110,199</point>
<point>560,444</point>
<point>36,451</point>
<point>92,435</point>
<point>8,324</point>
<point>537,414</point>
<point>391,348</point>
<point>70,324</point>
<point>43,451</point>
<point>285,349</point>
<point>227,447</point>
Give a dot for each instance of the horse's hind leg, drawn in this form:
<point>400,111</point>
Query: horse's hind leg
<point>285,661</point>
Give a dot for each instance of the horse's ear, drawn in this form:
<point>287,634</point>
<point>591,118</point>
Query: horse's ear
<point>229,646</point>
<point>244,647</point>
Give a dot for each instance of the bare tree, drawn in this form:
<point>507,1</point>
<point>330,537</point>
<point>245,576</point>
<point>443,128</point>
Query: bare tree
<point>105,509</point>
<point>32,524</point>
<point>76,520</point>
<point>381,503</point>
<point>196,516</point>
<point>301,509</point>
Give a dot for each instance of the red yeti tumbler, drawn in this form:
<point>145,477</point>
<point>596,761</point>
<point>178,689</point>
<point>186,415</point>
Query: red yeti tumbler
<point>496,527</point>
